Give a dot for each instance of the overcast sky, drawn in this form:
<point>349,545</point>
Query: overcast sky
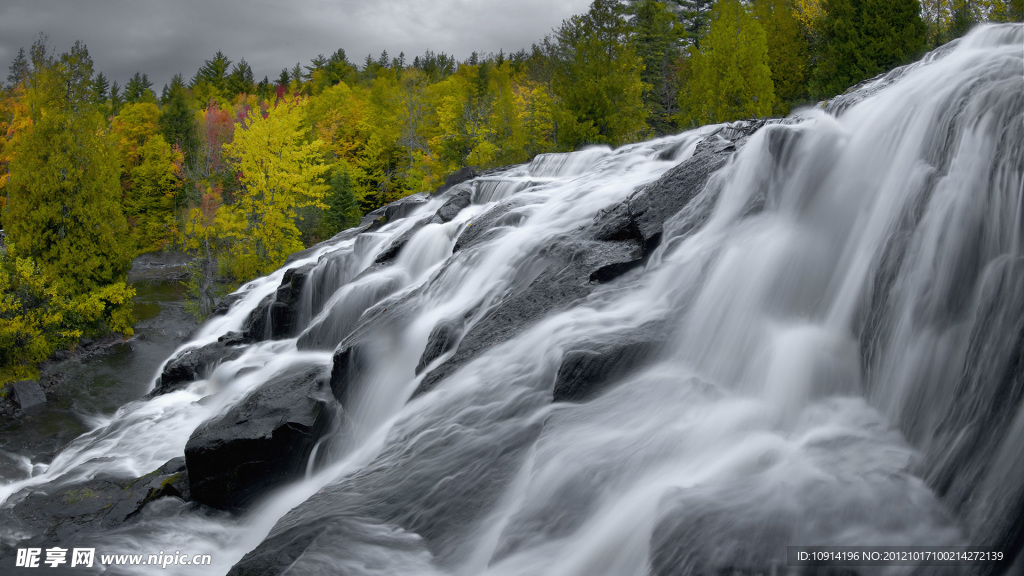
<point>162,37</point>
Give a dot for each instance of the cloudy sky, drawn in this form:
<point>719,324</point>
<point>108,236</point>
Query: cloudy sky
<point>162,37</point>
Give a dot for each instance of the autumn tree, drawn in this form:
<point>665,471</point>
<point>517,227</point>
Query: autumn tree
<point>279,171</point>
<point>151,175</point>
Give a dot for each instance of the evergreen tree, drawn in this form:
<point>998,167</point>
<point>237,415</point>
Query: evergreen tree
<point>597,79</point>
<point>656,38</point>
<point>788,51</point>
<point>731,76</point>
<point>139,89</point>
<point>116,99</point>
<point>696,18</point>
<point>342,210</point>
<point>63,209</point>
<point>240,80</point>
<point>177,119</point>
<point>863,38</point>
<point>100,88</point>
<point>213,71</point>
<point>19,69</point>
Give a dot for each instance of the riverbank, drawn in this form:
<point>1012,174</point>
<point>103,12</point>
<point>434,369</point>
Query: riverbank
<point>88,384</point>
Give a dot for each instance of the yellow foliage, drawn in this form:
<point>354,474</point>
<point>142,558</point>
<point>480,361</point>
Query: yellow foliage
<point>279,171</point>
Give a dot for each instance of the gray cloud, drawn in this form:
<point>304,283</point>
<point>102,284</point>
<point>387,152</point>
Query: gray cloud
<point>161,38</point>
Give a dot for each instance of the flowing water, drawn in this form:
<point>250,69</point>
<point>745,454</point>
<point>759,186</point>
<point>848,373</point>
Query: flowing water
<point>841,366</point>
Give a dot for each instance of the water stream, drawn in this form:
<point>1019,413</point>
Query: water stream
<point>843,314</point>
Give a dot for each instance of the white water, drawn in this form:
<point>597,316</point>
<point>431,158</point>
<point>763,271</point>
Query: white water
<point>815,350</point>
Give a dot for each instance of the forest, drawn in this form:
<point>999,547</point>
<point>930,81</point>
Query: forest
<point>239,173</point>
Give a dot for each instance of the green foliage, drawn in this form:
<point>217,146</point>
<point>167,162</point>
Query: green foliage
<point>342,210</point>
<point>863,38</point>
<point>731,78</point>
<point>63,210</point>
<point>788,51</point>
<point>40,314</point>
<point>657,40</point>
<point>597,79</point>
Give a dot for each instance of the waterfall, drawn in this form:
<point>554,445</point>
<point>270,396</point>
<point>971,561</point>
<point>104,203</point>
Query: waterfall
<point>675,357</point>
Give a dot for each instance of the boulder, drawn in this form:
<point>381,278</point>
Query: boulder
<point>263,442</point>
<point>463,174</point>
<point>101,502</point>
<point>27,393</point>
<point>285,309</point>
<point>565,279</point>
<point>195,364</point>
<point>452,207</point>
<point>587,371</point>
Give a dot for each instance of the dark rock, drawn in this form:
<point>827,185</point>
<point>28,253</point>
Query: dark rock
<point>484,226</point>
<point>564,279</point>
<point>193,364</point>
<point>462,175</point>
<point>257,325</point>
<point>652,207</point>
<point>262,443</point>
<point>443,338</point>
<point>100,502</point>
<point>233,339</point>
<point>226,303</point>
<point>389,253</point>
<point>586,372</point>
<point>28,393</point>
<point>284,311</point>
<point>396,210</point>
<point>453,206</point>
<point>349,365</point>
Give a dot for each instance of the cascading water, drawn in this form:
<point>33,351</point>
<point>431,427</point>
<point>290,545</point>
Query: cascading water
<point>820,344</point>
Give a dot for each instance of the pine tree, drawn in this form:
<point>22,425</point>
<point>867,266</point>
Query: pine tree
<point>863,38</point>
<point>731,77</point>
<point>788,51</point>
<point>19,69</point>
<point>139,89</point>
<point>240,80</point>
<point>597,79</point>
<point>342,211</point>
<point>100,88</point>
<point>657,36</point>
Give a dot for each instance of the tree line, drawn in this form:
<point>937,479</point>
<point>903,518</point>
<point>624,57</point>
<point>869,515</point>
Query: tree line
<point>240,173</point>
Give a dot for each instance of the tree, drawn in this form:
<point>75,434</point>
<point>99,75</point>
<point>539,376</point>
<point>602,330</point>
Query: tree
<point>240,80</point>
<point>731,77</point>
<point>19,69</point>
<point>177,119</point>
<point>100,88</point>
<point>151,174</point>
<point>596,79</point>
<point>63,212</point>
<point>211,80</point>
<point>863,38</point>
<point>342,211</point>
<point>279,171</point>
<point>139,89</point>
<point>788,50</point>
<point>657,35</point>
